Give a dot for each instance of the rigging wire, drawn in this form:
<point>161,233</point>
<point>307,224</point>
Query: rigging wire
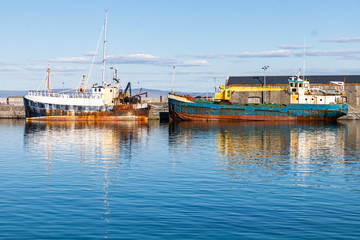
<point>43,83</point>
<point>96,51</point>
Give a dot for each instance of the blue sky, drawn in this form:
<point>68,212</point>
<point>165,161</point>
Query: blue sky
<point>202,39</point>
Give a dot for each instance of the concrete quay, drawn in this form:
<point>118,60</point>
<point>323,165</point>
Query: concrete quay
<point>12,112</point>
<point>159,108</point>
<point>353,113</point>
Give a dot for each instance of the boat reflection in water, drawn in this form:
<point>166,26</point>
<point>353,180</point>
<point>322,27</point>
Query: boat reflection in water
<point>257,147</point>
<point>106,140</point>
<point>94,147</point>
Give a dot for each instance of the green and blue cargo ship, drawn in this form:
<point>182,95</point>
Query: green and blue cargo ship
<point>306,104</point>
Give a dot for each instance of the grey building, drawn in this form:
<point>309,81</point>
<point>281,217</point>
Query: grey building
<point>352,87</point>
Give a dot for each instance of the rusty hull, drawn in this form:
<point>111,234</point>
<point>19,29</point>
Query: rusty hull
<point>110,113</point>
<point>192,111</point>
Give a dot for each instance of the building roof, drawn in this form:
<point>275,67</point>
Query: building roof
<point>322,79</point>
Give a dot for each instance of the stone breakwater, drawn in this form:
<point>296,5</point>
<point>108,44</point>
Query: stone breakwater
<point>12,111</point>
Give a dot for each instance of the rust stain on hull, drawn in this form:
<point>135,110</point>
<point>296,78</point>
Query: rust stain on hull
<point>199,117</point>
<point>125,112</point>
<point>208,111</point>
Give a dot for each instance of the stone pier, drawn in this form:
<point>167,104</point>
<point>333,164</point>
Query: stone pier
<point>12,111</point>
<point>159,108</point>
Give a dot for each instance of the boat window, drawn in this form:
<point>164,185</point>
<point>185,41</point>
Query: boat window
<point>291,84</point>
<point>110,90</point>
<point>300,84</point>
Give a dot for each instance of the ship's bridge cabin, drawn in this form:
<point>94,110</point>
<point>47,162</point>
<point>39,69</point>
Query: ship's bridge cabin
<point>301,93</point>
<point>298,86</point>
<point>97,90</point>
<point>106,93</point>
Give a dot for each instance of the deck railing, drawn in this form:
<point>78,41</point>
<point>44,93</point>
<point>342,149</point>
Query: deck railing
<point>63,95</point>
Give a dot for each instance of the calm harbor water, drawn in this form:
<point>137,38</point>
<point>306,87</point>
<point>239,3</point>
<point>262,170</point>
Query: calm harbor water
<point>185,181</point>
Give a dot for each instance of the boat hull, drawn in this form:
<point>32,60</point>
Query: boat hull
<point>47,111</point>
<point>190,111</point>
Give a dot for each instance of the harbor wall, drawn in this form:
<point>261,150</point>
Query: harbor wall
<point>12,111</point>
<point>351,91</point>
<point>159,108</point>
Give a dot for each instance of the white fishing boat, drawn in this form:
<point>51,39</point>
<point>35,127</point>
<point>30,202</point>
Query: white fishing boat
<point>105,102</point>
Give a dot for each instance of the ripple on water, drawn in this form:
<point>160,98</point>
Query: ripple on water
<point>182,181</point>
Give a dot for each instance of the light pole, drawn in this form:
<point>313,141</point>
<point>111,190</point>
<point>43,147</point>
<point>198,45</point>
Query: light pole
<point>264,68</point>
<point>172,83</point>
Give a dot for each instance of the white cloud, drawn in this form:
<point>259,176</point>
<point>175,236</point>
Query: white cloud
<point>68,69</point>
<point>137,58</point>
<point>207,56</point>
<point>55,68</point>
<point>335,53</point>
<point>71,60</point>
<point>195,63</point>
<point>140,58</point>
<point>275,53</point>
<point>9,68</point>
<point>285,53</point>
<point>36,68</point>
<point>343,40</point>
<point>294,47</point>
<point>91,54</point>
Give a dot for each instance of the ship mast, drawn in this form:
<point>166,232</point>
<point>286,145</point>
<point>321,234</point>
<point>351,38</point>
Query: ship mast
<point>104,50</point>
<point>48,84</point>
